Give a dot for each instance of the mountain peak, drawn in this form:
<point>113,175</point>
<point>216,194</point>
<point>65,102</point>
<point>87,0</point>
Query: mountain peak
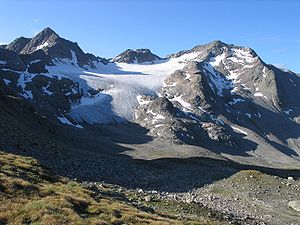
<point>47,37</point>
<point>47,32</point>
<point>18,44</point>
<point>140,55</point>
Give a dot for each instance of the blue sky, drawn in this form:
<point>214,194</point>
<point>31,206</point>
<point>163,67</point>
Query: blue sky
<point>106,28</point>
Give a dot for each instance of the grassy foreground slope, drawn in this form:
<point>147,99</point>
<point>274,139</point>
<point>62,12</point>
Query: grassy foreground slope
<point>29,194</point>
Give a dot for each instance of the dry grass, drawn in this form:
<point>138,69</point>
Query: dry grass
<point>29,194</point>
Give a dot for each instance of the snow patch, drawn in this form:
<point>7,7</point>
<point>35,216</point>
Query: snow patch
<point>264,71</point>
<point>235,101</point>
<point>35,61</point>
<point>6,81</point>
<point>181,102</point>
<point>141,101</point>
<point>239,130</point>
<point>259,94</point>
<point>157,117</point>
<point>124,81</point>
<point>245,54</point>
<point>64,120</point>
<point>216,61</point>
<point>287,112</point>
<point>219,82</point>
<point>188,76</point>
<point>22,81</point>
<point>46,91</point>
<point>258,115</point>
<point>248,115</point>
<point>42,45</point>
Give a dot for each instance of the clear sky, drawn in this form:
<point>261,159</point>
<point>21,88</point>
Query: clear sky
<point>106,28</point>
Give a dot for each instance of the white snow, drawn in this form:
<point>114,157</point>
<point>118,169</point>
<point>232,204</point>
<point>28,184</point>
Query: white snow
<point>245,87</point>
<point>258,115</point>
<point>22,81</point>
<point>188,76</point>
<point>42,45</point>
<point>35,61</point>
<point>192,56</point>
<point>239,130</point>
<point>27,94</point>
<point>141,101</point>
<point>264,71</point>
<point>288,111</point>
<point>157,117</point>
<point>234,90</point>
<point>64,120</point>
<point>95,109</point>
<point>5,69</point>
<point>219,82</point>
<point>244,53</point>
<point>235,101</point>
<point>181,102</point>
<point>228,80</point>
<point>74,59</point>
<point>122,83</point>
<point>46,91</point>
<point>6,81</point>
<point>3,62</point>
<point>248,115</point>
<point>215,61</point>
<point>259,94</point>
<point>170,85</point>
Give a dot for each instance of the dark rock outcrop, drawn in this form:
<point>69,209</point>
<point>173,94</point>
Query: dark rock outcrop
<point>136,56</point>
<point>10,60</point>
<point>18,44</point>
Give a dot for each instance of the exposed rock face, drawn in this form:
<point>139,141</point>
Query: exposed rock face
<point>191,85</point>
<point>54,47</point>
<point>43,40</point>
<point>218,95</point>
<point>36,61</point>
<point>136,56</point>
<point>225,85</point>
<point>18,44</point>
<point>23,76</point>
<point>295,205</point>
<point>171,121</point>
<point>10,61</point>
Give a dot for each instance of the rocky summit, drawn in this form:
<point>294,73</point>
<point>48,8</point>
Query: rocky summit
<point>136,56</point>
<point>213,130</point>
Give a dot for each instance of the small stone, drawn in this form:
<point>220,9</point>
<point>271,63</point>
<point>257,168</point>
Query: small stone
<point>140,191</point>
<point>290,178</point>
<point>148,198</point>
<point>295,205</point>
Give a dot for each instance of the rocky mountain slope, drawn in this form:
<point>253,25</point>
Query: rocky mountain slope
<point>216,94</point>
<point>217,103</point>
<point>136,56</point>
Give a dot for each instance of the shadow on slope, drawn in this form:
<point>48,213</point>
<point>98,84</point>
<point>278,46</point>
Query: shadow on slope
<point>269,123</point>
<point>74,153</point>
